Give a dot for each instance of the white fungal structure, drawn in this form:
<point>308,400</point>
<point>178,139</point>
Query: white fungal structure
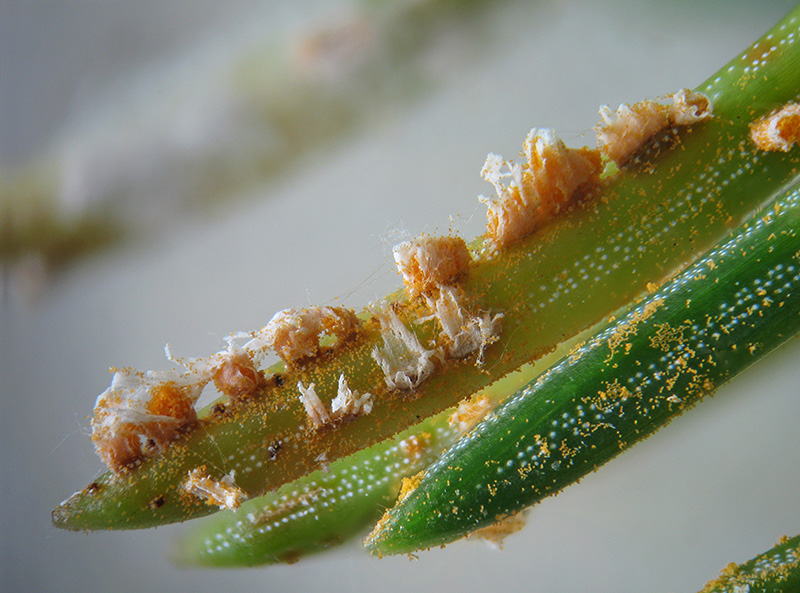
<point>529,194</point>
<point>140,413</point>
<point>346,404</point>
<point>428,262</point>
<point>625,131</point>
<point>315,409</point>
<point>294,334</point>
<point>223,493</point>
<point>349,403</point>
<point>404,361</point>
<point>466,333</point>
<point>689,108</point>
<point>779,130</point>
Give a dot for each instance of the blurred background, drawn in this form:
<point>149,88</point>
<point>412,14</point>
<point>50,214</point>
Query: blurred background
<point>173,172</point>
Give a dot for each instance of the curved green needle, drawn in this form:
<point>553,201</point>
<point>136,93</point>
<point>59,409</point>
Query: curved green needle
<point>775,571</point>
<point>736,304</point>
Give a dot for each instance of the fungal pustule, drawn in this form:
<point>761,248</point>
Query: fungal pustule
<point>779,130</point>
<point>496,533</point>
<point>140,413</point>
<point>689,107</point>
<point>622,133</point>
<point>537,190</point>
<point>405,362</point>
<point>428,262</point>
<point>224,492</point>
<point>294,334</point>
<point>349,403</point>
<point>469,412</point>
<point>232,369</point>
<point>466,333</point>
<point>315,409</point>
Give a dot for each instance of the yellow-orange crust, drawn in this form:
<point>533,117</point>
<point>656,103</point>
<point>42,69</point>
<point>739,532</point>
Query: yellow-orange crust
<point>429,262</point>
<point>552,177</point>
<point>133,422</point>
<point>294,334</point>
<point>622,133</point>
<point>470,412</point>
<point>778,131</point>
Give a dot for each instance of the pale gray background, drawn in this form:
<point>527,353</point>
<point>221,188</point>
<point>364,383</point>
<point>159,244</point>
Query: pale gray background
<point>718,485</point>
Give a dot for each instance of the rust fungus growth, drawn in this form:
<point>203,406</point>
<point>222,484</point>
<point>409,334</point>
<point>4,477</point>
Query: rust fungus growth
<point>469,412</point>
<point>429,262</point>
<point>140,413</point>
<point>237,377</point>
<point>495,533</point>
<point>223,493</point>
<point>537,190</point>
<point>294,334</point>
<point>348,403</point>
<point>622,133</point>
<point>408,485</point>
<point>315,409</point>
<point>415,446</point>
<point>778,131</point>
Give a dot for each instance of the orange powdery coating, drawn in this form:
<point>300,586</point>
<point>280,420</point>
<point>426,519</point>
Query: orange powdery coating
<point>407,486</point>
<point>779,130</point>
<point>495,533</point>
<point>294,334</point>
<point>223,493</point>
<point>140,413</point>
<point>552,177</point>
<point>415,446</point>
<point>623,133</point>
<point>429,262</point>
<point>469,412</point>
